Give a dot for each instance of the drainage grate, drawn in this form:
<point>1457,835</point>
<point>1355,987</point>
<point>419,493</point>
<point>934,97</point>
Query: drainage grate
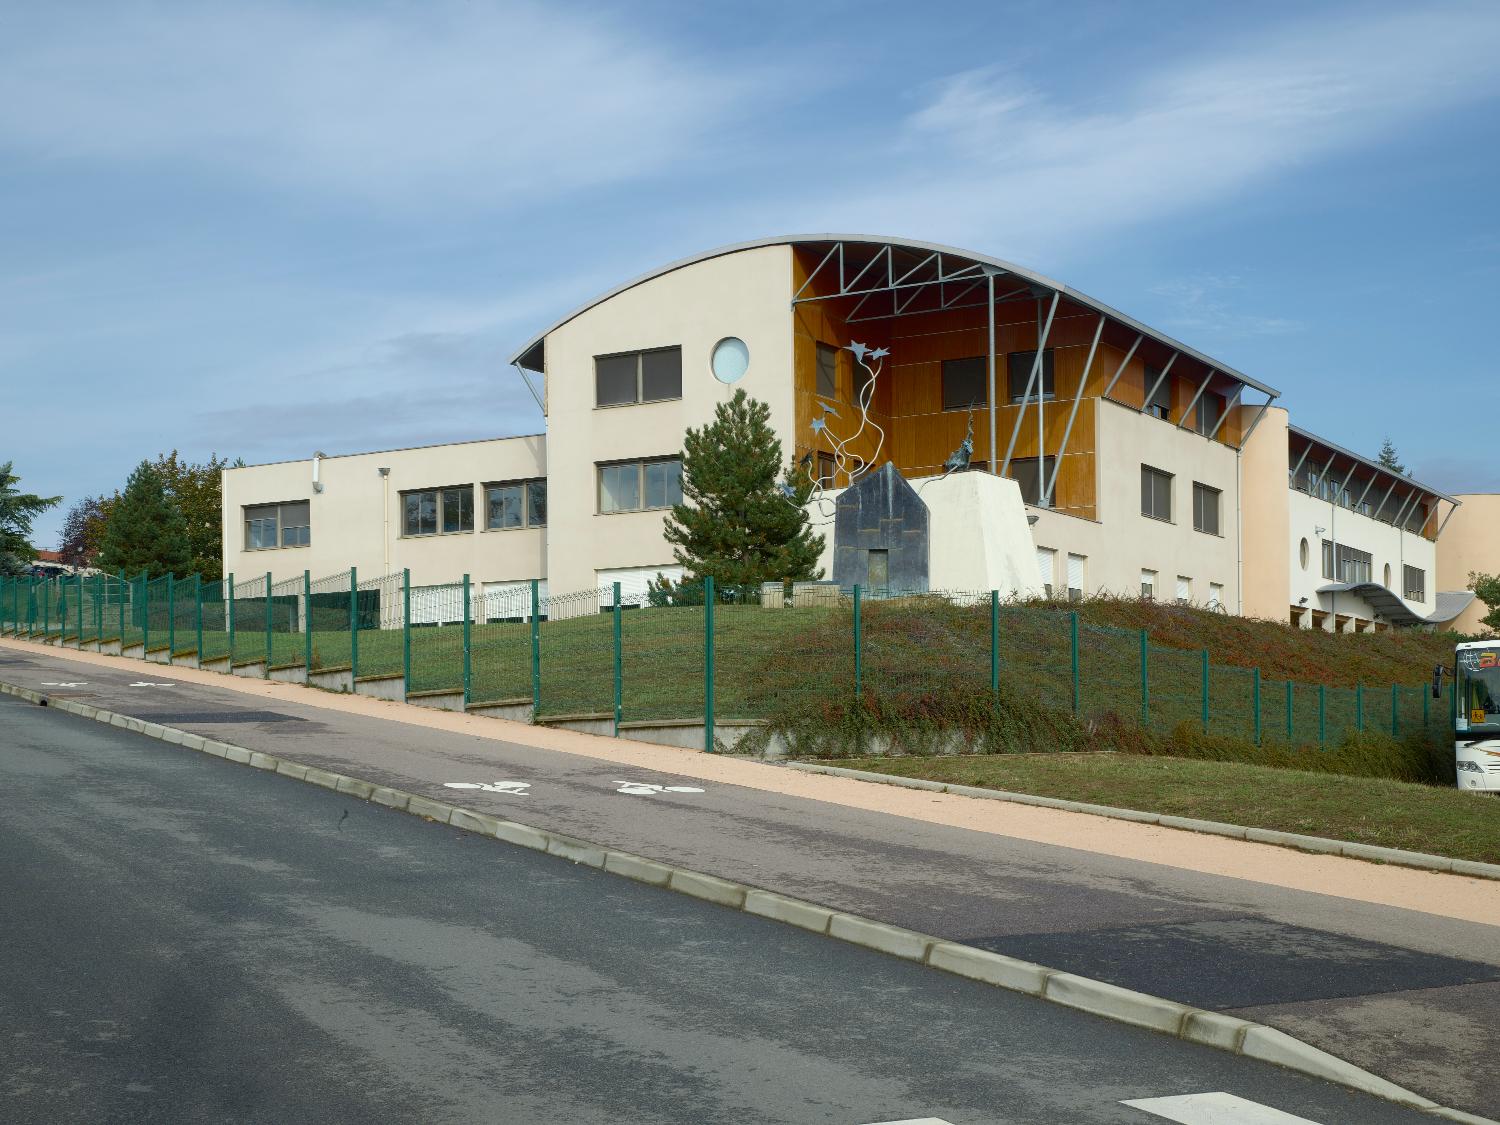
<point>221,717</point>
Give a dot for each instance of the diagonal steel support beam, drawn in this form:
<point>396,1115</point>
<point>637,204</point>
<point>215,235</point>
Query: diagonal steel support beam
<point>1439,533</point>
<point>1150,394</point>
<point>1036,368</point>
<point>1401,515</point>
<point>1291,477</point>
<point>1323,476</point>
<point>1188,413</point>
<point>1062,449</point>
<point>1265,406</point>
<point>525,378</point>
<point>1121,369</point>
<point>1373,478</point>
<point>1385,499</point>
<point>1239,392</point>
<point>836,248</point>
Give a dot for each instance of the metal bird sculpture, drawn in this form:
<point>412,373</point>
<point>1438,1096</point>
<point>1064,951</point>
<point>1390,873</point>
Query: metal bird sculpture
<point>958,460</point>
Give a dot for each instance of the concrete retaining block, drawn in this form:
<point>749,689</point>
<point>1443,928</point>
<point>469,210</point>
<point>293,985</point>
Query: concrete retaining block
<point>521,835</point>
<point>437,810</point>
<point>217,664</point>
<point>443,701</point>
<point>579,851</point>
<point>708,888</point>
<point>340,679</point>
<point>291,769</point>
<point>297,675</point>
<point>1272,1046</point>
<point>1117,1003</point>
<point>515,712</point>
<point>355,787</point>
<point>264,761</point>
<point>473,822</point>
<point>392,688</point>
<point>637,868</point>
<point>894,940</point>
<point>391,798</point>
<point>991,968</point>
<point>250,671</point>
<point>794,912</point>
<point>1214,1030</point>
<point>1295,840</point>
<point>1210,827</point>
<point>321,777</point>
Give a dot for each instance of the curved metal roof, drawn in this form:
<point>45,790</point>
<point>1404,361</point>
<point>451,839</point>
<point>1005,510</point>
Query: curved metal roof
<point>530,357</point>
<point>1384,600</point>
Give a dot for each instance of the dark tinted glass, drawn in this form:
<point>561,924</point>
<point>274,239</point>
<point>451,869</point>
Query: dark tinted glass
<point>615,379</point>
<point>828,370</point>
<point>536,499</point>
<point>965,383</point>
<point>1020,364</point>
<point>661,374</point>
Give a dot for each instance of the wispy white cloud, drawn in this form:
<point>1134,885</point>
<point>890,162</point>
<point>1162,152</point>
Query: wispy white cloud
<point>989,159</point>
<point>412,104</point>
<point>1210,305</point>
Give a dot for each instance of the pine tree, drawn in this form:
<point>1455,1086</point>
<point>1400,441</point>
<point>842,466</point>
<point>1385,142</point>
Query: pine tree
<point>195,490</point>
<point>738,524</point>
<point>146,531</point>
<point>1388,457</point>
<point>17,510</point>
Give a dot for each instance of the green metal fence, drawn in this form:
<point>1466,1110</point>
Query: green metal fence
<point>698,654</point>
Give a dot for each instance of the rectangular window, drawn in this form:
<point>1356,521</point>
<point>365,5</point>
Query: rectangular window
<point>1328,557</point>
<point>1148,585</point>
<point>631,377</point>
<point>437,511</point>
<point>1160,390</point>
<point>1156,493</point>
<point>1184,589</point>
<point>521,503</point>
<point>1414,584</point>
<point>277,525</point>
<point>1018,367</point>
<point>634,486</point>
<point>1046,565</point>
<point>1215,595</point>
<point>1345,564</point>
<point>1205,509</point>
<point>965,383</point>
<point>1026,472</point>
<point>828,370</point>
<point>1075,578</point>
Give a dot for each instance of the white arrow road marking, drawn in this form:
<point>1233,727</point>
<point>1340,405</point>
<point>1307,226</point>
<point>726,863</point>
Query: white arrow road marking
<point>148,683</point>
<point>515,788</point>
<point>65,683</point>
<point>1215,1109</point>
<point>642,789</point>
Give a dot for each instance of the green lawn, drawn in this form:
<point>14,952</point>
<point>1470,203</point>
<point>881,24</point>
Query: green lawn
<point>1364,810</point>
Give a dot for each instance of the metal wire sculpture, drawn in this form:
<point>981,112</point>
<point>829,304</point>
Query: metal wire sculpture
<point>844,460</point>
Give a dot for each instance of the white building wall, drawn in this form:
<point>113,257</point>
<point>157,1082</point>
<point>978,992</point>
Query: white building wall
<point>744,294</point>
<point>1388,546</point>
<point>1123,542</point>
<point>356,519</point>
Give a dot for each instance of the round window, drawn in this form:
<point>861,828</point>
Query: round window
<point>1302,553</point>
<point>730,360</point>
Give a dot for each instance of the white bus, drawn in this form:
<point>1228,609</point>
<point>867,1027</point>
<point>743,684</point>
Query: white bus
<point>1476,714</point>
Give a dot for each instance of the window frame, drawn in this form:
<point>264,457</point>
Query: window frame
<point>1146,472</point>
<point>822,350</point>
<point>1407,591</point>
<point>438,492</point>
<point>639,355</point>
<point>528,503</point>
<point>640,464</point>
<point>277,518</point>
<point>1048,380</point>
<point>1204,490</point>
<point>1148,584</point>
<point>1048,467</point>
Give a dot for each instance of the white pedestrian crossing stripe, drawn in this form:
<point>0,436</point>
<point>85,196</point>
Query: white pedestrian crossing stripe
<point>1216,1108</point>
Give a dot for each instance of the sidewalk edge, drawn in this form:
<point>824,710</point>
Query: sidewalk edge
<point>1139,1009</point>
<point>1317,844</point>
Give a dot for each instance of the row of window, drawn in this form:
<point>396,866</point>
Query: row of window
<point>1046,562</point>
<point>1183,589</point>
<point>624,486</point>
<point>1342,563</point>
<point>1371,501</point>
<point>1156,500</point>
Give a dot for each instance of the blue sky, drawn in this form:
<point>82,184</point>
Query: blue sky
<point>264,229</point>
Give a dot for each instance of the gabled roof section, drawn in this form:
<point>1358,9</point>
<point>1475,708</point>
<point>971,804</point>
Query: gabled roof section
<point>532,355</point>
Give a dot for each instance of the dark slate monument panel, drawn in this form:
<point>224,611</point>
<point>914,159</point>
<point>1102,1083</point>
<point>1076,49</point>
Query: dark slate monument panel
<point>880,534</point>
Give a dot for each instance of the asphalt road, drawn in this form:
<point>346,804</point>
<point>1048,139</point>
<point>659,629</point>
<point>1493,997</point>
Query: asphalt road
<point>190,940</point>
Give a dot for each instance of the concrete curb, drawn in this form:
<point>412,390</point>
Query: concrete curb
<point>1209,1029</point>
<point>1320,844</point>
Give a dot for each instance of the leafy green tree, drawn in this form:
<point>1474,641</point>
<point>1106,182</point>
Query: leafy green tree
<point>83,529</point>
<point>1389,459</point>
<point>196,491</point>
<point>146,530</point>
<point>17,510</point>
<point>1486,588</point>
<point>738,523</point>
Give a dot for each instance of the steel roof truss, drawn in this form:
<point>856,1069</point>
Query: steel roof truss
<point>1188,413</point>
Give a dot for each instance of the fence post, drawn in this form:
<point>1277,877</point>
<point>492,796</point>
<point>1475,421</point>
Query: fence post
<point>1322,714</point>
<point>122,613</point>
<point>171,617</point>
<point>405,631</point>
<point>708,664</point>
<point>145,581</point>
<point>536,648</point>
<point>995,644</point>
<point>46,609</point>
<point>859,653</point>
<point>354,626</point>
<point>1203,692</point>
<point>1395,704</point>
<point>1073,652</point>
<point>1145,682</point>
<point>1359,707</point>
<point>307,632</point>
<point>198,615</point>
<point>619,663</point>
<point>267,669</point>
<point>231,621</point>
<point>1256,694</point>
<point>78,579</point>
<point>99,588</point>
<point>468,647</point>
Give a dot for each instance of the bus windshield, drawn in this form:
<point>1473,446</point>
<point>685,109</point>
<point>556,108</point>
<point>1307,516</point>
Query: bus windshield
<point>1478,690</point>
